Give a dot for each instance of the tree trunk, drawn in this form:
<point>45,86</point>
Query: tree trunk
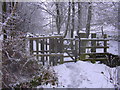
<point>58,17</point>
<point>68,20</point>
<point>79,17</point>
<point>4,9</point>
<point>73,19</point>
<point>88,20</point>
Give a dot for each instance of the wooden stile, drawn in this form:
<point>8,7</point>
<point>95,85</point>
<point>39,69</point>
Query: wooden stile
<point>52,48</point>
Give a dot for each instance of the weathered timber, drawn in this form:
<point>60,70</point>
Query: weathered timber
<point>31,47</point>
<point>96,59</point>
<point>94,39</point>
<point>53,54</point>
<point>45,37</point>
<point>82,43</point>
<point>42,49</point>
<point>37,48</point>
<point>52,48</point>
<point>93,53</point>
<point>105,43</point>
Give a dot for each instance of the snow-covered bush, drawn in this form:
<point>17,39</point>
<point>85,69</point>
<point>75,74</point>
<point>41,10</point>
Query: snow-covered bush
<point>16,63</point>
<point>45,77</point>
<point>20,67</point>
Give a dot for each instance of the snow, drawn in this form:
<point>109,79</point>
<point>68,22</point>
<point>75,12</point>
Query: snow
<point>113,47</point>
<point>83,75</point>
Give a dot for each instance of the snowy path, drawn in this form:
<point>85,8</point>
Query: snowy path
<point>83,75</point>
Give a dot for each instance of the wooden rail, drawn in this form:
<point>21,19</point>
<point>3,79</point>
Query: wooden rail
<point>52,48</point>
<point>94,41</point>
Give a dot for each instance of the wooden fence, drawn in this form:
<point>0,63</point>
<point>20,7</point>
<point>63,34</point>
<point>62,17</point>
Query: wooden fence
<point>47,48</point>
<point>55,49</point>
<point>92,44</point>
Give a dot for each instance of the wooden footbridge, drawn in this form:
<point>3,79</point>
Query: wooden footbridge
<point>56,49</point>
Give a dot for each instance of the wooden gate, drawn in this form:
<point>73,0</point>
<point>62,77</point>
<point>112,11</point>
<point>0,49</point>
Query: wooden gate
<point>48,49</point>
<point>55,49</point>
<point>88,47</point>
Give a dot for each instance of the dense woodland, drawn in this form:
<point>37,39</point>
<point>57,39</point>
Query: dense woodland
<point>20,19</point>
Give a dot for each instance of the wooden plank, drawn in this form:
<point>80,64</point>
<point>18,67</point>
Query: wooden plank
<point>94,39</point>
<point>55,60</point>
<point>31,47</point>
<point>37,48</point>
<point>93,43</point>
<point>61,59</point>
<point>82,43</point>
<point>67,61</point>
<point>50,47</point>
<point>34,38</point>
<point>46,48</point>
<point>67,56</point>
<point>95,47</point>
<point>69,39</point>
<point>61,51</point>
<point>105,43</point>
<point>94,53</point>
<point>61,45</point>
<point>49,54</point>
<point>76,50</point>
<point>72,50</point>
<point>96,59</point>
<point>42,49</point>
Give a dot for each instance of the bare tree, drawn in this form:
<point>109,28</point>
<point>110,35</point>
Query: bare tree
<point>58,22</point>
<point>73,19</point>
<point>89,19</point>
<point>79,17</point>
<point>68,19</point>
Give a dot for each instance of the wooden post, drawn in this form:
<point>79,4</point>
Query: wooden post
<point>37,48</point>
<point>42,50</point>
<point>105,43</point>
<point>31,47</point>
<point>71,45</point>
<point>46,45</point>
<point>61,59</point>
<point>93,45</point>
<point>82,43</point>
<point>61,51</point>
<point>55,51</point>
<point>79,47</point>
<point>76,49</point>
<point>50,50</point>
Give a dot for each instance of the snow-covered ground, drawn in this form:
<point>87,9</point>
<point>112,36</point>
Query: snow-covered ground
<point>84,75</point>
